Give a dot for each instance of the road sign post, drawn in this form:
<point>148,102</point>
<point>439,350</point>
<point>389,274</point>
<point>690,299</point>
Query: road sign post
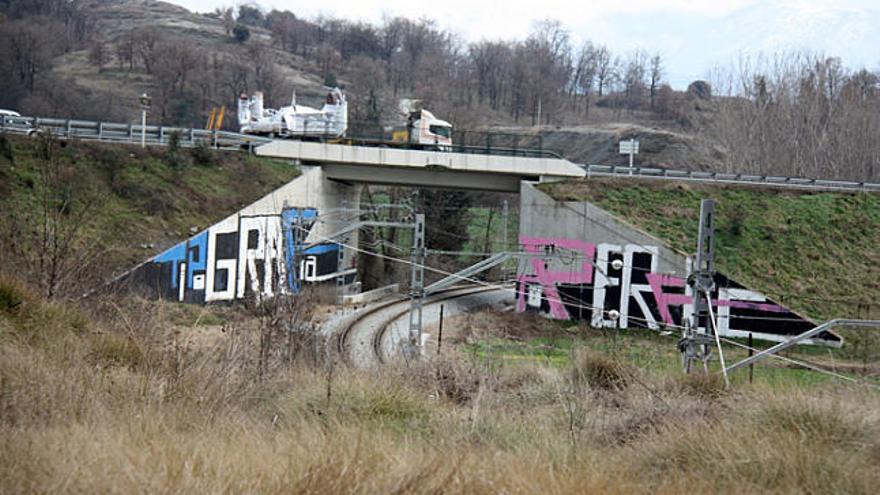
<point>631,148</point>
<point>145,102</point>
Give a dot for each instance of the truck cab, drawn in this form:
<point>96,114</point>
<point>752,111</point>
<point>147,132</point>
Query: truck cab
<point>425,130</point>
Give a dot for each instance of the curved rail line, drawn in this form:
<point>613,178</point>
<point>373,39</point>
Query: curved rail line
<point>342,339</point>
<point>377,338</point>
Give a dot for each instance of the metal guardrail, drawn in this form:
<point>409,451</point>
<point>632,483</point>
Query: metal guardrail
<point>728,178</point>
<point>160,135</point>
<point>128,133</point>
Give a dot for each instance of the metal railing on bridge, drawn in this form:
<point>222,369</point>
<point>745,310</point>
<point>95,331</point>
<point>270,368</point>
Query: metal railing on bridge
<point>625,172</point>
<point>127,133</point>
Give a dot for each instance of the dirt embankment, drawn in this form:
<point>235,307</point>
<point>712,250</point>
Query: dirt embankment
<point>598,144</point>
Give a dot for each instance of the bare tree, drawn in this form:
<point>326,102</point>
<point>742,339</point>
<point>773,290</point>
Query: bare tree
<point>125,51</point>
<point>263,62</point>
<point>634,79</point>
<point>283,26</point>
<point>227,18</point>
<point>173,63</point>
<point>27,49</point>
<point>328,60</point>
<point>98,54</point>
<point>491,65</point>
<point>656,75</point>
<point>145,41</point>
<point>49,244</point>
<point>605,68</point>
<point>800,115</point>
<point>585,73</point>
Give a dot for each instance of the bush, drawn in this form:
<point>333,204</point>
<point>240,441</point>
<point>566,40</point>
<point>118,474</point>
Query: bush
<point>454,380</point>
<point>701,385</point>
<point>12,295</point>
<point>241,33</point>
<point>175,159</point>
<point>388,404</point>
<point>700,89</point>
<point>112,160</point>
<point>203,155</point>
<point>598,371</point>
<point>6,150</point>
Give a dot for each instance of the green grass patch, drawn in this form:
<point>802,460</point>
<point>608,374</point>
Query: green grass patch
<point>190,315</point>
<point>647,350</point>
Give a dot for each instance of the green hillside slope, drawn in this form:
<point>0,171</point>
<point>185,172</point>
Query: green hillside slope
<point>104,208</point>
<point>818,253</point>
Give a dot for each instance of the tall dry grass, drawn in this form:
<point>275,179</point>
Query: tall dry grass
<point>112,400</point>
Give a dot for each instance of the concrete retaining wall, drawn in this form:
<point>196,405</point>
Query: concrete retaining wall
<point>590,265</point>
<point>253,251</point>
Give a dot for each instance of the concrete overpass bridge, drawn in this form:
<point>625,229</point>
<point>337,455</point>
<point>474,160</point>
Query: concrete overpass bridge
<point>291,235</point>
<point>461,168</point>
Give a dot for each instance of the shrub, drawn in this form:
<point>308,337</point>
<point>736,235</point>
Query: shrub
<point>6,150</point>
<point>175,159</point>
<point>241,33</point>
<point>598,371</point>
<point>700,89</point>
<point>455,381</point>
<point>701,385</point>
<point>203,155</point>
<point>12,295</point>
<point>112,160</point>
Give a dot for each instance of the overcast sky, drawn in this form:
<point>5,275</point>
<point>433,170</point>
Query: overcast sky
<point>692,35</point>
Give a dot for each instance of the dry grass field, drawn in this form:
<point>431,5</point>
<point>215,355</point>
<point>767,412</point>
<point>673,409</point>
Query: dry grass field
<point>113,397</point>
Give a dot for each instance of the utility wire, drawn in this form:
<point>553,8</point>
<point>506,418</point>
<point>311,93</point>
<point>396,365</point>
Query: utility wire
<point>591,308</point>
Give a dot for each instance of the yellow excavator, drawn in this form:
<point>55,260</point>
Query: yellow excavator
<point>215,120</point>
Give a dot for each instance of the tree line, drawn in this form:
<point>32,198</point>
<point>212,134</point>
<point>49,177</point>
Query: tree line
<point>799,115</point>
<point>537,80</point>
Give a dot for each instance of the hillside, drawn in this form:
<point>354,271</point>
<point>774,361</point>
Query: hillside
<point>667,147</point>
<point>103,208</point>
<point>814,252</point>
<point>190,62</point>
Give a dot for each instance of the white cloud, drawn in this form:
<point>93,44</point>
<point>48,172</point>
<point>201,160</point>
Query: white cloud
<point>692,35</point>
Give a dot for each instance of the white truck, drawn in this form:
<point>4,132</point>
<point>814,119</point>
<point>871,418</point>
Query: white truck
<point>331,121</point>
<point>420,130</point>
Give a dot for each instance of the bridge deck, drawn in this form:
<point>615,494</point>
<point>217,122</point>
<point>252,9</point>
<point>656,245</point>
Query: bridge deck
<point>419,167</point>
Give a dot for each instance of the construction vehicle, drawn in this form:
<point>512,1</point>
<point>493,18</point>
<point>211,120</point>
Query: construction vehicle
<point>421,129</point>
<point>294,121</point>
<point>215,119</point>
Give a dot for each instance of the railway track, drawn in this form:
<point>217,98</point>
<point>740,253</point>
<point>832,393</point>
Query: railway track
<point>370,325</point>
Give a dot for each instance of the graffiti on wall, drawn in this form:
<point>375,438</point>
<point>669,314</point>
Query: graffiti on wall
<point>244,256</point>
<point>580,280</point>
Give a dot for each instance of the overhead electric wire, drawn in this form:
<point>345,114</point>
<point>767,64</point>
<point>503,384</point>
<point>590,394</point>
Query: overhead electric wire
<point>438,271</point>
<point>591,308</point>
